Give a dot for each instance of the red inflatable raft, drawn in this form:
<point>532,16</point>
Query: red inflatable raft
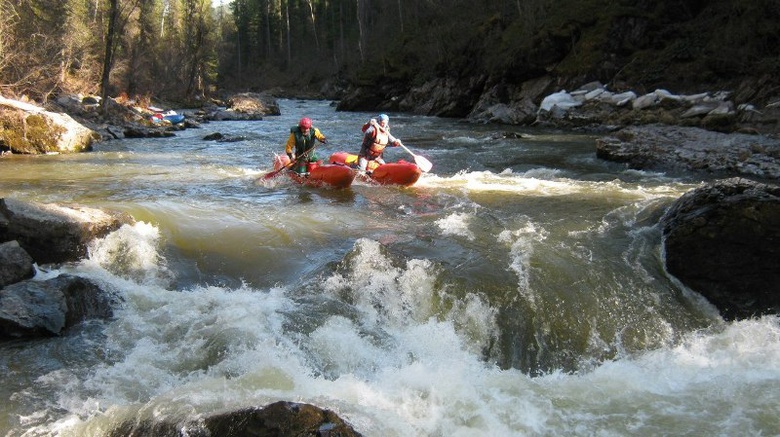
<point>392,173</point>
<point>319,175</point>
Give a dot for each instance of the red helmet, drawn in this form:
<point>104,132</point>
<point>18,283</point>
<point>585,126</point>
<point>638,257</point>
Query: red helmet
<point>305,123</point>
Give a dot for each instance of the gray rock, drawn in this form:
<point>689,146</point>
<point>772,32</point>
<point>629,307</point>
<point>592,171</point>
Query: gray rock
<point>52,233</point>
<point>33,308</point>
<point>723,241</point>
<point>15,263</point>
<point>246,106</point>
<point>74,137</point>
<point>657,147</point>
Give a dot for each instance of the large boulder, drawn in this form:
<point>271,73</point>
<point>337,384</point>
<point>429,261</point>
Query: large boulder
<point>52,233</point>
<point>277,419</point>
<point>723,241</point>
<point>33,308</point>
<point>30,129</point>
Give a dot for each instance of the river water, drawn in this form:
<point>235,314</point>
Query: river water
<point>517,289</point>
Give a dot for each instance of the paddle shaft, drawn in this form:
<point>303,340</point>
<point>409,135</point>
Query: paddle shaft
<point>297,158</point>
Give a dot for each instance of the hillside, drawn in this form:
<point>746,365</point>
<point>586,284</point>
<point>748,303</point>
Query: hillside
<point>683,46</point>
<point>187,51</point>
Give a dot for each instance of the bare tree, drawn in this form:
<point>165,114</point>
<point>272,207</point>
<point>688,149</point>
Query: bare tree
<point>7,19</point>
<point>287,30</point>
<point>401,16</point>
<point>268,12</point>
<point>361,30</point>
<point>108,56</point>
<point>115,27</point>
<point>313,25</point>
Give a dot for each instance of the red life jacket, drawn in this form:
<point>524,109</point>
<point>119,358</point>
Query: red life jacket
<point>380,140</point>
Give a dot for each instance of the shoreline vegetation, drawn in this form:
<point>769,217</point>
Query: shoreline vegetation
<point>706,64</point>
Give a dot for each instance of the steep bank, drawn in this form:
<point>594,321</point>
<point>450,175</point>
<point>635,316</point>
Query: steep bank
<point>685,48</point>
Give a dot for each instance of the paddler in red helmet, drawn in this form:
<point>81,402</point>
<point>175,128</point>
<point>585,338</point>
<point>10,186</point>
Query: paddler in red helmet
<point>300,141</point>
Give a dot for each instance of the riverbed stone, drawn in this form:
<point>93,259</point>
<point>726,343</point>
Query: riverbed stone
<point>15,263</point>
<point>34,308</point>
<point>723,241</point>
<point>52,233</point>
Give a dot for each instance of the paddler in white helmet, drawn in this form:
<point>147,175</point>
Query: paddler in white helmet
<point>375,138</point>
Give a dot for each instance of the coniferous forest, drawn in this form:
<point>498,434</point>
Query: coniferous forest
<point>185,50</point>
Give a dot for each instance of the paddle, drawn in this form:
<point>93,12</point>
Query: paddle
<point>421,162</point>
<point>297,158</point>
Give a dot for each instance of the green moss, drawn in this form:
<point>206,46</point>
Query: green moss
<point>28,133</point>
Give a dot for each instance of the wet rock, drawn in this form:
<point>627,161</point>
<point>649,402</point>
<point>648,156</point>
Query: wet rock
<point>52,233</point>
<point>220,138</point>
<point>216,136</point>
<point>231,115</point>
<point>723,241</point>
<point>15,263</point>
<point>35,308</point>
<point>144,132</point>
<point>277,419</point>
<point>657,147</point>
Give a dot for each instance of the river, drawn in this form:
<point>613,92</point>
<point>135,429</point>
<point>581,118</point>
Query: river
<point>517,289</point>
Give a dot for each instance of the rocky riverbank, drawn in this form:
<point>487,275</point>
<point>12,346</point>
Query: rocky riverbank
<point>692,149</point>
<point>592,106</point>
<point>72,124</point>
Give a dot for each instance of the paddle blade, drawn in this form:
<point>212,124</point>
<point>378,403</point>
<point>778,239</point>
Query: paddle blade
<point>423,163</point>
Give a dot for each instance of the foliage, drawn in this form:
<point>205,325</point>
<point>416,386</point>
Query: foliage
<point>161,47</point>
<point>186,49</point>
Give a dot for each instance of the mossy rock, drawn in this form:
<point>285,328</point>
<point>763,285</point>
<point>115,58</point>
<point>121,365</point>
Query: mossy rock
<point>30,134</point>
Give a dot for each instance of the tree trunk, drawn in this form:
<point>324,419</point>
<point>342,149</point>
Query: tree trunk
<point>268,12</point>
<point>313,25</point>
<point>108,57</point>
<point>287,30</point>
<point>361,36</point>
<point>400,17</point>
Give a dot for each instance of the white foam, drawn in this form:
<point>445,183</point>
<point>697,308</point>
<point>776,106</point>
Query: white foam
<point>456,224</point>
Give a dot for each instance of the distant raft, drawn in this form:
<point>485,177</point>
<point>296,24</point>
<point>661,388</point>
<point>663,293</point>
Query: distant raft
<point>169,116</point>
